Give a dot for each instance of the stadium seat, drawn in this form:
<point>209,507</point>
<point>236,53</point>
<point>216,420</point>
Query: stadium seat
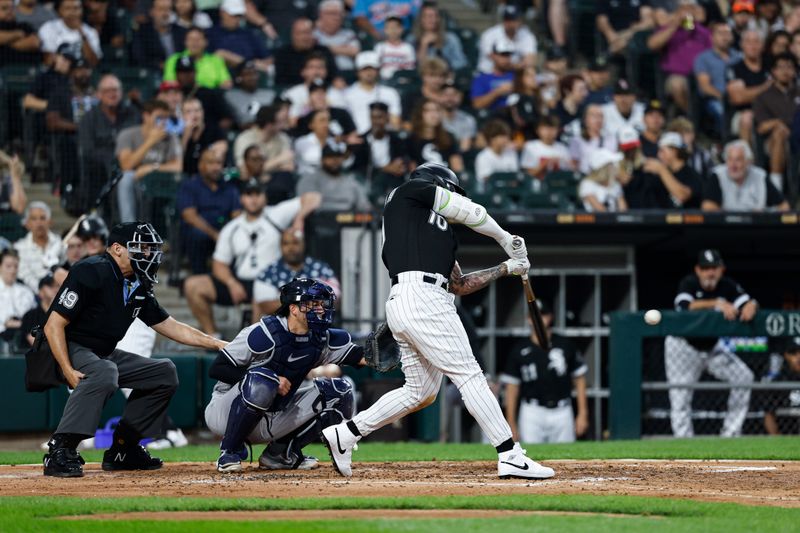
<point>113,57</point>
<point>469,43</point>
<point>11,226</point>
<point>563,182</point>
<point>138,78</point>
<point>545,200</point>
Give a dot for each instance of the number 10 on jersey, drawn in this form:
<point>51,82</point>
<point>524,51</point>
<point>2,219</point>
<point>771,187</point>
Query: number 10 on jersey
<point>437,220</point>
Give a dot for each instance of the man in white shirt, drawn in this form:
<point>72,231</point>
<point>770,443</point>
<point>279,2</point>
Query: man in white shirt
<point>246,246</point>
<point>16,299</point>
<point>313,69</point>
<point>70,29</point>
<point>342,42</point>
<point>511,29</point>
<point>623,110</point>
<point>367,90</point>
<point>40,249</point>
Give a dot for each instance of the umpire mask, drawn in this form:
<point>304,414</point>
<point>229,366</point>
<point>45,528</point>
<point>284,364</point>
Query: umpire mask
<point>144,248</point>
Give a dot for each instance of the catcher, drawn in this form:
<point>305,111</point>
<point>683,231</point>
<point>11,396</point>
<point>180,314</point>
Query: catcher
<point>261,397</point>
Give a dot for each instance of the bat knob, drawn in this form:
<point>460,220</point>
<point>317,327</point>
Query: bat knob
<point>516,243</point>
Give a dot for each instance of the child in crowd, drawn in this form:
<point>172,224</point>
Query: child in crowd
<point>395,54</point>
<point>546,153</point>
<point>499,154</point>
<point>599,190</point>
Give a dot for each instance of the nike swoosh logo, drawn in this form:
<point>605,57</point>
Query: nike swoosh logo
<point>338,445</point>
<point>523,466</point>
<point>292,358</point>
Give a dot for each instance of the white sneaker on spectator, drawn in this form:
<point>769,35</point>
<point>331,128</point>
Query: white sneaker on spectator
<point>173,439</point>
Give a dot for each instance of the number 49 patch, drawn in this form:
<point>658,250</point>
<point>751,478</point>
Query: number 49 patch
<point>68,299</point>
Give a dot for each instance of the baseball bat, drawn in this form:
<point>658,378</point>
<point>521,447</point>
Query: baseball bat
<point>116,175</point>
<point>533,309</point>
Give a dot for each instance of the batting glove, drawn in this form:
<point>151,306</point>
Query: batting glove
<point>517,267</point>
<point>515,252</point>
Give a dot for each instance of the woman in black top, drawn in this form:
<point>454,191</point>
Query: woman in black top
<point>429,142</point>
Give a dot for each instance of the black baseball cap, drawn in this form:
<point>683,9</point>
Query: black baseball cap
<point>184,64</point>
<point>598,63</point>
<point>47,281</point>
<point>252,185</point>
<point>68,51</point>
<point>654,105</point>
<point>333,148</point>
<point>123,233</point>
<point>511,12</point>
<point>555,53</point>
<point>709,258</point>
<point>623,87</point>
<point>792,345</point>
<point>318,84</point>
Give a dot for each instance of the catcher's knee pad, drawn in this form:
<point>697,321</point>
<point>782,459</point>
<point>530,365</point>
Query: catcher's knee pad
<point>338,396</point>
<point>259,388</point>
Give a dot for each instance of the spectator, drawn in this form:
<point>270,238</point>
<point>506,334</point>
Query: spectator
<point>546,153</point>
<point>777,43</point>
<point>328,32</point>
<point>738,185</point>
<point>52,79</point>
<point>381,154</point>
<point>624,110</point>
<point>371,15</point>
<point>206,204</point>
<point>510,30</point>
<point>490,89</point>
<point>97,134</point>
<point>598,81</point>
<point>233,43</point>
<point>290,59</point>
<point>279,186</point>
<point>40,249</point>
<point>282,14</point>
<point>679,41</point>
<point>631,174</point>
<point>246,246</point>
<point>293,263</point>
<point>96,16</point>
<point>18,40</point>
<point>12,192</point>
<point>458,123</point>
<point>773,113</point>
<point>340,191</point>
<point>747,79</point>
<point>431,38</point>
<point>710,67</point>
<point>429,142</point>
<point>591,137</point>
<point>210,69</point>
<point>37,315</point>
<point>187,16</point>
<point>308,148</point>
<point>275,145</point>
<point>394,53</point>
<point>555,61</point>
<point>16,298</point>
<point>620,20</point>
<point>170,93</point>
<point>366,90</point>
<point>434,73</point>
<point>198,136</point>
<point>789,371</point>
<point>341,126</point>
<point>573,95</point>
<point>143,149</point>
<point>214,105</point>
<point>653,128</point>
<point>33,13</point>
<point>246,98</point>
<point>158,38</point>
<point>768,16</point>
<point>599,190</point>
<point>794,48</point>
<point>677,184</point>
<point>524,104</point>
<point>699,158</point>
<point>499,154</point>
<point>69,29</point>
<point>313,69</point>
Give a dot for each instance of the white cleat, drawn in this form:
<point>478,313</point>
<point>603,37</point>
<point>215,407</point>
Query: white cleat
<point>340,442</point>
<point>516,464</point>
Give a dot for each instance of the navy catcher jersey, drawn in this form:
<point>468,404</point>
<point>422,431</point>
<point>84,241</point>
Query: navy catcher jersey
<point>415,237</point>
<point>268,343</point>
<point>545,377</point>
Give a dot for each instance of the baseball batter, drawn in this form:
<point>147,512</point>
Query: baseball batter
<point>419,248</point>
<point>686,359</point>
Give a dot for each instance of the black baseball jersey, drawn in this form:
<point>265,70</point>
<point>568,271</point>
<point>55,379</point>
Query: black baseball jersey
<point>415,237</point>
<point>101,304</point>
<point>545,377</point>
<point>777,399</point>
<point>690,290</point>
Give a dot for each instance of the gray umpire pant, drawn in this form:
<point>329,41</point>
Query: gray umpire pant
<point>153,381</point>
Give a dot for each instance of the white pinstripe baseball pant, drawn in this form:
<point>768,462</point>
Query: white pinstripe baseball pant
<point>432,341</point>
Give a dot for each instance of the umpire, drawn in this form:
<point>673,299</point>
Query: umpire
<point>98,301</point>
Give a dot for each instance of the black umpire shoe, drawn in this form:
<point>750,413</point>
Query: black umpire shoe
<point>63,462</point>
<point>130,458</point>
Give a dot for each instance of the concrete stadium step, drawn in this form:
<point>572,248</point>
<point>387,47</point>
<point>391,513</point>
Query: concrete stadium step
<point>467,14</point>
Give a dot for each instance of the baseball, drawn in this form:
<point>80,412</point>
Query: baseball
<point>652,317</point>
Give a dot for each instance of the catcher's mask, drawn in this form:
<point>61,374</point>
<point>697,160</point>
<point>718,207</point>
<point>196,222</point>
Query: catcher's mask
<point>144,248</point>
<point>315,299</point>
<point>439,175</point>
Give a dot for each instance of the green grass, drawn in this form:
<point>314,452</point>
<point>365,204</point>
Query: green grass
<point>655,515</point>
<point>752,448</point>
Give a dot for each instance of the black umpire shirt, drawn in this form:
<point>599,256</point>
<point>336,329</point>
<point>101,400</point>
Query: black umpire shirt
<point>415,237</point>
<point>544,377</point>
<point>690,290</point>
<point>101,304</point>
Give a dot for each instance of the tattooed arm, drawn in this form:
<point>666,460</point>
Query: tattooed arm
<point>461,284</point>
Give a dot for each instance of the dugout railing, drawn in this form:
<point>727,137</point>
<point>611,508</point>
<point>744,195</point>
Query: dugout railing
<point>639,403</point>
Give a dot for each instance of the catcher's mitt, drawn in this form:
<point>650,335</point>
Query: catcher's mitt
<point>381,350</point>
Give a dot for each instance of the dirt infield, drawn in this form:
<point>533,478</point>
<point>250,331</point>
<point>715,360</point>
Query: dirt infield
<point>749,482</point>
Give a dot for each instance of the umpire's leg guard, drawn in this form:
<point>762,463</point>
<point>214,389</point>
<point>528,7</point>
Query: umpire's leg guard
<point>258,391</point>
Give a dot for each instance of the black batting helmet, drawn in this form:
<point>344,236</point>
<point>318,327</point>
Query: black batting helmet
<point>93,226</point>
<point>308,290</point>
<point>439,175</point>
